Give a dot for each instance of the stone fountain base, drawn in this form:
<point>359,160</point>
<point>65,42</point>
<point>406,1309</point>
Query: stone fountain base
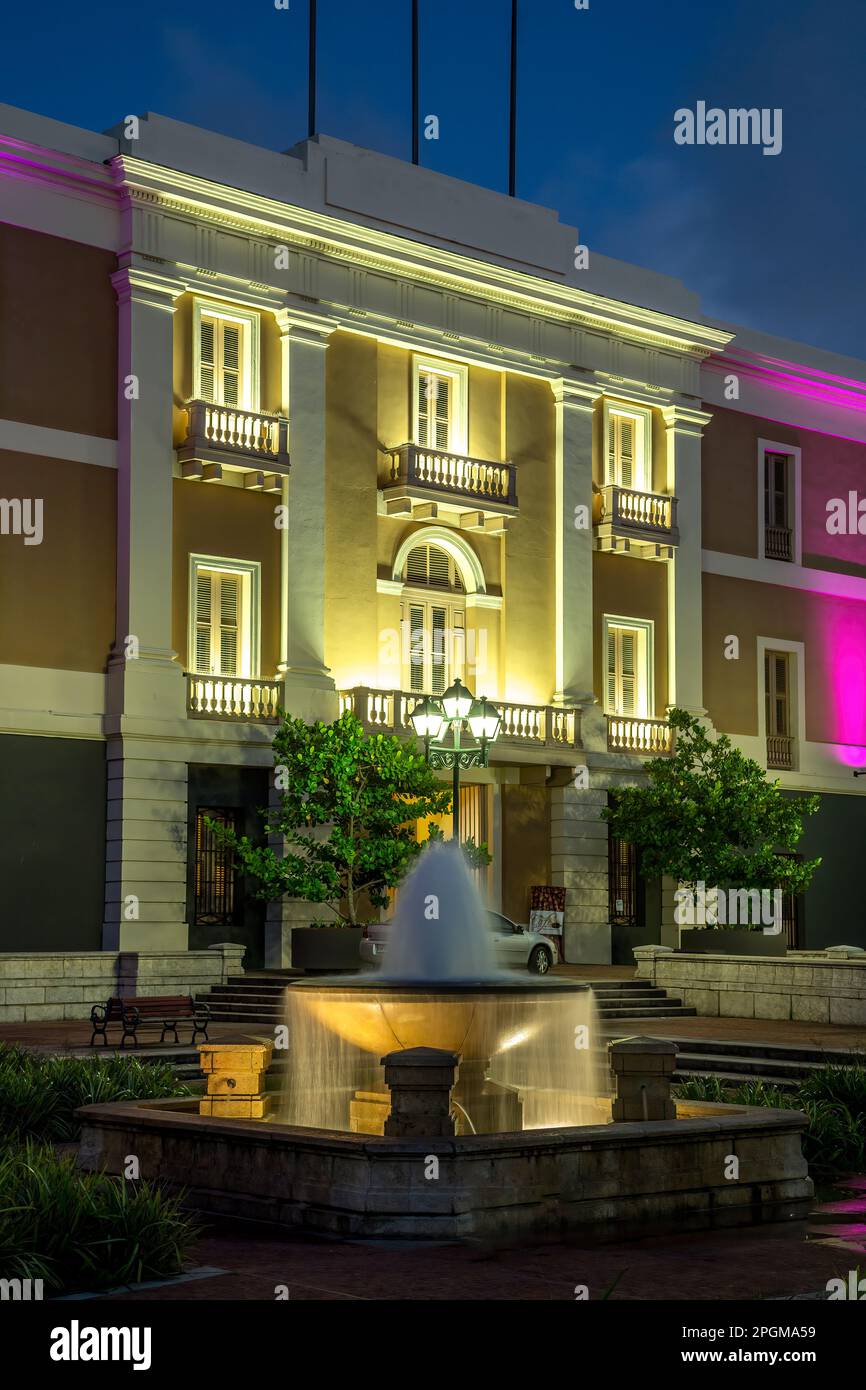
<point>601,1182</point>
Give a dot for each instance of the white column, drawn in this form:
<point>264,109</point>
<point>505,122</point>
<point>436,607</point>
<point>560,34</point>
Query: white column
<point>145,889</point>
<point>302,663</point>
<point>684,427</point>
<point>575,403</point>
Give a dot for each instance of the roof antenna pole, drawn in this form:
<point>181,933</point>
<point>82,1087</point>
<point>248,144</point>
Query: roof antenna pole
<point>512,141</point>
<point>312,77</point>
<point>416,96</point>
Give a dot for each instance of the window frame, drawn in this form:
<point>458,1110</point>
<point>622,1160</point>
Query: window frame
<point>249,320</point>
<point>645,664</point>
<point>458,423</point>
<point>794,454</point>
<point>642,416</point>
<point>250,629</point>
<point>796,652</point>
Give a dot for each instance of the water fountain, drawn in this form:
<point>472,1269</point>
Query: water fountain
<point>528,1048</point>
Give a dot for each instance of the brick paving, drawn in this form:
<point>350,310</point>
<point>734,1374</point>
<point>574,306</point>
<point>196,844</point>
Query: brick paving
<point>724,1265</point>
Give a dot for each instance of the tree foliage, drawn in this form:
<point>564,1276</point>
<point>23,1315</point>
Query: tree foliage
<point>707,814</point>
<point>348,803</point>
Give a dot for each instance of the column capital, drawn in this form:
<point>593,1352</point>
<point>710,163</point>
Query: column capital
<point>312,329</point>
<point>140,285</point>
<point>576,395</point>
<point>686,419</point>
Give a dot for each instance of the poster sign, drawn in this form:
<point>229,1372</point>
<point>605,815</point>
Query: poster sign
<point>547,915</point>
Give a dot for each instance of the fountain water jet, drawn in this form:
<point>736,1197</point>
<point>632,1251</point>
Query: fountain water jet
<point>528,1047</point>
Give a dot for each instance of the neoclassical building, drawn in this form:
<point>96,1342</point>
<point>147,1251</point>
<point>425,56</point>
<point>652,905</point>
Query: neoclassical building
<point>324,430</point>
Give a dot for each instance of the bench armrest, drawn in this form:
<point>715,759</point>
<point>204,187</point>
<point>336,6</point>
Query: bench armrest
<point>99,1013</point>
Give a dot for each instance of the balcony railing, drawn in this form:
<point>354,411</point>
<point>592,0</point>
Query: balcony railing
<point>224,436</point>
<point>626,734</point>
<point>780,752</point>
<point>541,726</point>
<point>229,697</point>
<point>453,479</point>
<point>632,520</point>
<point>778,543</point>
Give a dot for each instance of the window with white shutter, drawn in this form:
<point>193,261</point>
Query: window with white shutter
<point>434,627</point>
<point>224,618</point>
<point>628,447</point>
<point>226,356</point>
<point>628,667</point>
<point>440,402</point>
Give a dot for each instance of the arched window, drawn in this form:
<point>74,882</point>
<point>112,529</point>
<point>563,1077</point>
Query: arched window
<point>433,619</point>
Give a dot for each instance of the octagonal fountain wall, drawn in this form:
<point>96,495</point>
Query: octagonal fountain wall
<point>528,1046</point>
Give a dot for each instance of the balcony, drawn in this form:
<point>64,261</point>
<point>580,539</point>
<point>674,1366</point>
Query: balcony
<point>423,483</point>
<point>528,726</point>
<point>638,523</point>
<point>222,441</point>
<point>778,543</point>
<point>648,737</point>
<point>230,697</point>
<point>780,752</point>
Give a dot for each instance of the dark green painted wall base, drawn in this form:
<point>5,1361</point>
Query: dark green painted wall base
<point>832,909</point>
<point>52,843</point>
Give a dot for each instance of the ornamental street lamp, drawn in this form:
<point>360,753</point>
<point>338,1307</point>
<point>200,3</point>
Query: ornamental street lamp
<point>432,718</point>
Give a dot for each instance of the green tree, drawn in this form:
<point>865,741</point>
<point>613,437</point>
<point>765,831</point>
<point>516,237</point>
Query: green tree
<point>707,814</point>
<point>348,801</point>
<point>476,856</point>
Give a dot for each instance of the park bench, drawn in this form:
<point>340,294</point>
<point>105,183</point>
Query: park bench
<point>165,1011</point>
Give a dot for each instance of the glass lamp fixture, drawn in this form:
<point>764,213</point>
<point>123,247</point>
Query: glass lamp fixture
<point>427,718</point>
<point>484,719</point>
<point>457,701</point>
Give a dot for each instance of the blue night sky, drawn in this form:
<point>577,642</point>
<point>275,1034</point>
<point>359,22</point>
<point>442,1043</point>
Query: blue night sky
<point>776,243</point>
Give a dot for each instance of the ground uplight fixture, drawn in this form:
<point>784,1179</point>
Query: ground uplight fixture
<point>435,718</point>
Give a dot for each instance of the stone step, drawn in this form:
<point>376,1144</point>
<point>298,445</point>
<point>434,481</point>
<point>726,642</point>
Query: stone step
<point>778,1051</point>
<point>736,1078</point>
<point>669,1010</point>
<point>746,1067</point>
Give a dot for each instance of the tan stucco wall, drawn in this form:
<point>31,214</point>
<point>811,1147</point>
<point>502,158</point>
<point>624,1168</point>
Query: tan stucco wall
<point>58,333</point>
<point>352,633</point>
<point>630,588</point>
<point>528,628</point>
<point>833,631</point>
<point>235,525</point>
<point>57,598</point>
<point>729,478</point>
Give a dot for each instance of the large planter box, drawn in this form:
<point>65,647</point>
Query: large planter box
<point>324,949</point>
<point>712,941</point>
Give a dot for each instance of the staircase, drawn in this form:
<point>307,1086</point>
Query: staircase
<point>636,999</point>
<point>735,1063</point>
<point>254,998</point>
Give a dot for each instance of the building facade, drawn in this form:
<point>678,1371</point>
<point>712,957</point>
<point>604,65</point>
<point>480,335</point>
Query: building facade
<point>322,430</point>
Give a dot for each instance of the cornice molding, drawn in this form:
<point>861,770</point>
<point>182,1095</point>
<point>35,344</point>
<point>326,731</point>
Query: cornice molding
<point>320,233</point>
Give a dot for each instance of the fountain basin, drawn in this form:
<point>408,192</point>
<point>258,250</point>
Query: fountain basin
<point>602,1182</point>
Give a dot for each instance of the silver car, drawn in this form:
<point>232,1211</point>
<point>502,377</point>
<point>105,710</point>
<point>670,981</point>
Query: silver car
<point>515,946</point>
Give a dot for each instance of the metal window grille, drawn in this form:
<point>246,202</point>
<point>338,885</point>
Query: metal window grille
<point>622,882</point>
<point>216,878</point>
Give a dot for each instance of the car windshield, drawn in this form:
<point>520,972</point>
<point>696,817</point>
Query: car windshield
<point>499,923</point>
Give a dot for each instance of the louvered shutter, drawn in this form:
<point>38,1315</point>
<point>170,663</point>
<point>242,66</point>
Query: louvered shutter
<point>438,660</point>
<point>611,671</point>
<point>625,429</point>
<point>231,363</point>
<point>207,359</point>
<point>443,411</point>
<point>416,648</point>
<point>438,567</point>
<point>416,565</point>
<point>229,635</point>
<point>203,610</point>
<point>628,643</point>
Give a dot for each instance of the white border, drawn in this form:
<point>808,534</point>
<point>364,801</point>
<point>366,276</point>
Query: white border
<point>458,425</point>
<point>251,321</point>
<point>646,626</point>
<point>795,454</point>
<point>250,568</point>
<point>798,696</point>
<point>461,553</point>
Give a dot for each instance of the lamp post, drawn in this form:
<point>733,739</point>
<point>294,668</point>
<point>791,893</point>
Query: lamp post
<point>433,717</point>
